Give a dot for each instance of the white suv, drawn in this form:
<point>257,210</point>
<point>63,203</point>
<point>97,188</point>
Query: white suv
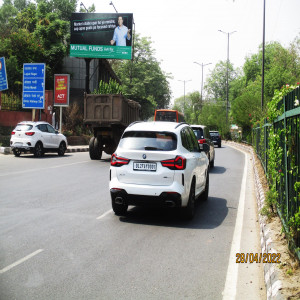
<point>37,138</point>
<point>161,164</point>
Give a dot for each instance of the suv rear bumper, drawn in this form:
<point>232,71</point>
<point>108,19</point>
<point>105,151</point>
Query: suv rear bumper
<point>165,199</point>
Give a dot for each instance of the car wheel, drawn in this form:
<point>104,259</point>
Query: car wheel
<point>204,195</point>
<point>38,150</point>
<point>189,211</point>
<point>212,163</point>
<point>119,209</point>
<point>219,145</point>
<point>61,149</point>
<point>98,148</point>
<point>92,148</point>
<point>17,152</point>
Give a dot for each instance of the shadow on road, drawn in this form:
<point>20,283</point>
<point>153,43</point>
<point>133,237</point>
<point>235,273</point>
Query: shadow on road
<point>209,215</point>
<point>217,170</point>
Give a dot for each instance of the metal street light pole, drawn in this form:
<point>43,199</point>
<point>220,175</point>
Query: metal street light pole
<point>227,75</point>
<point>184,81</point>
<point>263,59</point>
<point>111,3</point>
<point>202,65</point>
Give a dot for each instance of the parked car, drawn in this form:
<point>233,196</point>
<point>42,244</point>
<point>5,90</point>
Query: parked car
<point>160,164</point>
<point>216,138</point>
<point>37,138</point>
<point>203,137</point>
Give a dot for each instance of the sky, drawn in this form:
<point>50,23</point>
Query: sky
<point>187,31</point>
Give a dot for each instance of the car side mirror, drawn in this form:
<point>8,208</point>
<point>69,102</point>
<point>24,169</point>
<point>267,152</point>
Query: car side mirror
<point>56,131</point>
<point>204,147</point>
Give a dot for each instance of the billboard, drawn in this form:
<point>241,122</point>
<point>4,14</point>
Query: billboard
<point>96,35</point>
<point>33,95</point>
<point>61,89</point>
<point>3,77</point>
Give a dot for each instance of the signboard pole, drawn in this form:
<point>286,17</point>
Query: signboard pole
<point>33,114</point>
<point>60,119</point>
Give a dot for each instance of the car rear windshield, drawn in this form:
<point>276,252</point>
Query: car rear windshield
<point>23,127</point>
<point>214,133</point>
<point>149,140</point>
<point>198,133</point>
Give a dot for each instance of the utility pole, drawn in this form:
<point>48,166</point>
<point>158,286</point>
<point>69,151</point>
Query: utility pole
<point>184,81</point>
<point>202,66</point>
<point>227,74</point>
<point>263,59</point>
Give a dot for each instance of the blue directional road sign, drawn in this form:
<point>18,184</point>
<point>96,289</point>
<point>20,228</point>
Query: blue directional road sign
<point>34,85</point>
<point>3,77</point>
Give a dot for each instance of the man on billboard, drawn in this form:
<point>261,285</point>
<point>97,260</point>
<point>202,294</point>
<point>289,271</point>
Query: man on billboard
<point>120,34</point>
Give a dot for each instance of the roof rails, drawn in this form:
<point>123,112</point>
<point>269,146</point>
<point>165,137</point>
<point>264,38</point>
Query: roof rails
<point>135,123</point>
<point>181,123</point>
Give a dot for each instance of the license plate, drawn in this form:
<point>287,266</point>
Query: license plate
<point>137,166</point>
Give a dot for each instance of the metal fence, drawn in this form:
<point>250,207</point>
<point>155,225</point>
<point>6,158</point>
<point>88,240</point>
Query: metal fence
<point>289,165</point>
<point>10,102</point>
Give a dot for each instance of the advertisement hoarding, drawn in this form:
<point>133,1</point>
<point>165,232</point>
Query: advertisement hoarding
<point>96,35</point>
<point>33,95</point>
<point>61,89</point>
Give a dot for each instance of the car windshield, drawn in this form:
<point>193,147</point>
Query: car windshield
<point>214,133</point>
<point>198,133</point>
<point>149,140</point>
<point>23,127</point>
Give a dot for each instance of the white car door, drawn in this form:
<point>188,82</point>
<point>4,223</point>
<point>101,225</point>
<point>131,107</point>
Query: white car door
<point>54,138</point>
<point>45,136</point>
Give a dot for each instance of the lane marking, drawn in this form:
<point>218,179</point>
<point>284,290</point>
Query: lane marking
<point>21,261</point>
<point>41,169</point>
<point>232,271</point>
<point>104,215</point>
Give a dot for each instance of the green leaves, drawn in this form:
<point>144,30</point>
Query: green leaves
<point>112,87</point>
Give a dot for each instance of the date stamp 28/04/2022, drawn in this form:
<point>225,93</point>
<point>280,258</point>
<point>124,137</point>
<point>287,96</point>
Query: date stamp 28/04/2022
<point>242,258</point>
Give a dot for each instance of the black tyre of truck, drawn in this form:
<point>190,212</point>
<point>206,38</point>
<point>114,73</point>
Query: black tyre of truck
<point>98,148</point>
<point>17,152</point>
<point>92,148</point>
<point>189,211</point>
<point>119,209</point>
<point>38,150</point>
<point>204,195</point>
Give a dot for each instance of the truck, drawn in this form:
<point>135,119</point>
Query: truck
<point>108,116</point>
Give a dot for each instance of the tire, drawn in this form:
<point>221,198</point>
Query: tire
<point>61,149</point>
<point>212,163</point>
<point>38,150</point>
<point>189,211</point>
<point>17,152</point>
<point>204,195</point>
<point>92,148</point>
<point>119,209</point>
<point>219,145</point>
<point>98,148</point>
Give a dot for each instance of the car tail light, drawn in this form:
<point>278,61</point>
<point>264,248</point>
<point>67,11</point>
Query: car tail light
<point>178,163</point>
<point>202,141</point>
<point>117,161</point>
<point>12,133</point>
<point>30,133</point>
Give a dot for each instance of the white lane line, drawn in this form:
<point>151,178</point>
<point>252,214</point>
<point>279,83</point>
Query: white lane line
<point>104,215</point>
<point>41,169</point>
<point>20,261</point>
<point>232,271</point>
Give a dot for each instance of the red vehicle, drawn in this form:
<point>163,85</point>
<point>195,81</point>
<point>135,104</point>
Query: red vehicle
<point>168,115</point>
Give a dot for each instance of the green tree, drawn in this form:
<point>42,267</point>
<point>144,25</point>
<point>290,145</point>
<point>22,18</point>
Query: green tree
<point>143,79</point>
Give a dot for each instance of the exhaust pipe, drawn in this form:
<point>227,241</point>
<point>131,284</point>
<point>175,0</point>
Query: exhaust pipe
<point>170,203</point>
<point>119,200</point>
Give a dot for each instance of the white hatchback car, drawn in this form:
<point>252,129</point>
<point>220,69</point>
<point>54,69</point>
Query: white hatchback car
<point>37,138</point>
<point>160,164</point>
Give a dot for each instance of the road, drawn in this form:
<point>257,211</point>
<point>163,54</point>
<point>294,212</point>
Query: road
<point>59,238</point>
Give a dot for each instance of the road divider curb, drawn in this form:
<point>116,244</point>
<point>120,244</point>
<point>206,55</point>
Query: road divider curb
<point>272,282</point>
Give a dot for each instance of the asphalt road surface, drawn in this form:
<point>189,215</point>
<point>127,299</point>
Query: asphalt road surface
<point>59,238</point>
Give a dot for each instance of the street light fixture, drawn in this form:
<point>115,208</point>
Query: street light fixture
<point>81,4</point>
<point>227,88</point>
<point>202,65</point>
<point>184,81</point>
<point>111,3</point>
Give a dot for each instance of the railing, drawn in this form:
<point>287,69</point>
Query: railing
<point>288,127</point>
<point>10,102</point>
